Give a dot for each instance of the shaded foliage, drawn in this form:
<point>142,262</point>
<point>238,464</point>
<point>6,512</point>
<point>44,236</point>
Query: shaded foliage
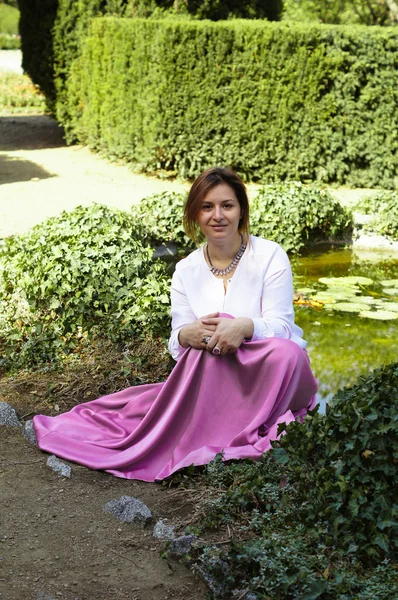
<point>318,511</point>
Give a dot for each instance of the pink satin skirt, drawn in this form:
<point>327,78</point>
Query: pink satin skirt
<point>209,404</point>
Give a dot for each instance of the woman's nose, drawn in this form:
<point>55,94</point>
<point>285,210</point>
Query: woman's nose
<point>218,213</point>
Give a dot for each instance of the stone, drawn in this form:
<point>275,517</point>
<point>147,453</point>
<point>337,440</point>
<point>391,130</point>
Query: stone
<point>129,510</point>
<point>215,565</point>
<point>29,432</point>
<point>43,596</point>
<point>8,416</point>
<point>162,531</point>
<point>59,467</point>
<point>181,545</point>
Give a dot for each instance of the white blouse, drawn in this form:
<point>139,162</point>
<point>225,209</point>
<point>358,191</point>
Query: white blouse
<point>261,288</point>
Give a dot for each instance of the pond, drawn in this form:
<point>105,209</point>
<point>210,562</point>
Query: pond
<point>343,344</point>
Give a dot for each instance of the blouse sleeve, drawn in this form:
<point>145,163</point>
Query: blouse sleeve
<point>181,314</point>
<point>277,312</point>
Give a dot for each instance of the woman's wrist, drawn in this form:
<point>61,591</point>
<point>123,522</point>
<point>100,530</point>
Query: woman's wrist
<point>247,327</point>
<point>181,338</point>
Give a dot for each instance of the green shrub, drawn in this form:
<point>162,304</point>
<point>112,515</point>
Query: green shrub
<point>274,102</point>
<point>75,274</point>
<point>295,215</point>
<point>159,218</point>
<point>384,209</point>
<point>9,17</point>
<point>366,12</point>
<point>9,42</point>
<point>319,511</point>
<point>18,92</point>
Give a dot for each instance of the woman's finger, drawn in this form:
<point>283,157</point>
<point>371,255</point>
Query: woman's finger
<point>210,321</point>
<point>210,316</point>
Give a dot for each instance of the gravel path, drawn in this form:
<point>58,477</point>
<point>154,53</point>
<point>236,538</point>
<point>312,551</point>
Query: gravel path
<point>40,177</point>
<point>11,60</point>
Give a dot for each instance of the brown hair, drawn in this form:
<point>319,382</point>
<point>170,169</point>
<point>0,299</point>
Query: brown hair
<point>201,187</point>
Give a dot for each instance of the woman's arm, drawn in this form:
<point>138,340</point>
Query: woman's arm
<point>187,330</point>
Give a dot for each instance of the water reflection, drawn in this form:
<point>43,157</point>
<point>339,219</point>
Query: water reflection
<point>343,346</point>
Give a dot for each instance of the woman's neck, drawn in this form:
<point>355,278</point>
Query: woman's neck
<point>224,250</point>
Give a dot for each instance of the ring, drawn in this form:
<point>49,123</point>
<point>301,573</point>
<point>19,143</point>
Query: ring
<point>206,339</point>
<point>216,350</point>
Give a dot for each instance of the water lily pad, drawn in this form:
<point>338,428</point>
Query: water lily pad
<point>381,315</point>
<point>391,306</point>
<point>391,291</point>
<point>352,307</point>
<point>352,280</point>
<point>369,300</point>
<point>305,291</point>
<point>342,282</point>
<point>389,283</point>
<point>330,296</point>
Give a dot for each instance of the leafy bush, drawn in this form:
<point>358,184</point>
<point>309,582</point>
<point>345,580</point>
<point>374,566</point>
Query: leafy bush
<point>17,91</point>
<point>9,42</point>
<point>159,218</point>
<point>9,17</point>
<point>274,102</point>
<point>367,12</point>
<point>384,209</point>
<point>295,215</point>
<point>75,274</point>
<point>318,513</point>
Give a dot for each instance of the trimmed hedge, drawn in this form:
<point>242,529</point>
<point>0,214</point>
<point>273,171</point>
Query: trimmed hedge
<point>272,101</point>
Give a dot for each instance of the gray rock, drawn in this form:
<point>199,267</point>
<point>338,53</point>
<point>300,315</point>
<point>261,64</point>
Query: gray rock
<point>44,596</point>
<point>29,432</point>
<point>166,251</point>
<point>59,467</point>
<point>129,510</point>
<point>215,565</point>
<point>181,545</point>
<point>162,531</point>
<point>8,416</point>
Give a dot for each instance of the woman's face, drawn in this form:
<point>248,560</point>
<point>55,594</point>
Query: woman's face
<point>220,213</point>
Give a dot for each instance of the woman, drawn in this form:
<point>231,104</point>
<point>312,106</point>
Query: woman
<point>241,368</point>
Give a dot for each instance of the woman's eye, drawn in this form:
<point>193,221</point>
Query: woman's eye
<point>228,205</point>
<point>206,207</point>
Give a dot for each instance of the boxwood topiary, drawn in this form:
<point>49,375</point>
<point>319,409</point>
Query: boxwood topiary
<point>295,215</point>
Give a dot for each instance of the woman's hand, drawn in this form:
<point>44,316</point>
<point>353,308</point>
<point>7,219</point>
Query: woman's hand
<point>193,334</point>
<point>229,333</point>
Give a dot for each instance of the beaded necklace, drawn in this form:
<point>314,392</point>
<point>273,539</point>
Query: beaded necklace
<point>232,266</point>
